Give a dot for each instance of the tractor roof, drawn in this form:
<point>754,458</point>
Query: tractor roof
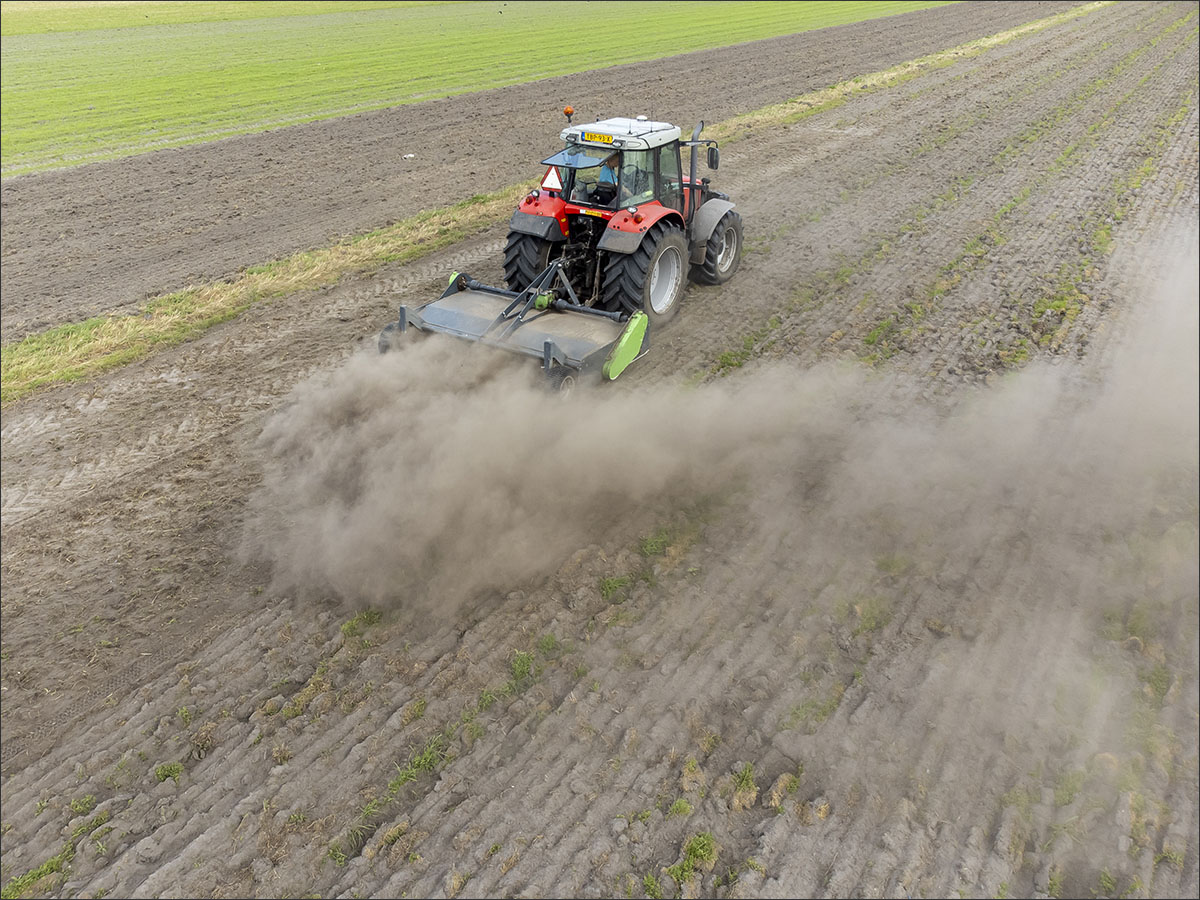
<point>622,134</point>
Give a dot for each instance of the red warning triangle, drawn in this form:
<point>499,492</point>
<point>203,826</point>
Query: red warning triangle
<point>552,182</point>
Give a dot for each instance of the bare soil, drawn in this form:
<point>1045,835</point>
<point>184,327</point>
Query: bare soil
<point>880,570</point>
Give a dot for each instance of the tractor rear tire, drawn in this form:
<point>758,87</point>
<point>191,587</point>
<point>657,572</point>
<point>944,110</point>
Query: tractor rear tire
<point>525,258</point>
<point>651,278</point>
<point>724,251</point>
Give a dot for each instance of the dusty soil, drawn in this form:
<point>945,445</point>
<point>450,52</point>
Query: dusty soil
<point>880,571</point>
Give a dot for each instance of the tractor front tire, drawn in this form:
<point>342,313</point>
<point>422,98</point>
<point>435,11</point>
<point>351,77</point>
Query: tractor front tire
<point>525,258</point>
<point>651,278</point>
<point>724,251</point>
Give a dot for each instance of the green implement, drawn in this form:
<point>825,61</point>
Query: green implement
<point>546,321</point>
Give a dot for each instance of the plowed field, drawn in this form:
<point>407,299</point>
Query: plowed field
<point>876,577</point>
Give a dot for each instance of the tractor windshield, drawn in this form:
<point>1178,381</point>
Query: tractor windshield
<point>589,174</point>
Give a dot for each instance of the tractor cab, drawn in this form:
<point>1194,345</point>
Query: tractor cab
<point>618,163</point>
<point>615,205</point>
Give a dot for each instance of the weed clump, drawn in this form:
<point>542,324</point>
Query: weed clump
<point>699,852</point>
<point>745,790</point>
<point>612,586</point>
<point>680,808</point>
<point>432,755</point>
<point>655,544</point>
<point>522,671</point>
<point>169,770</point>
<point>361,622</point>
<point>413,711</point>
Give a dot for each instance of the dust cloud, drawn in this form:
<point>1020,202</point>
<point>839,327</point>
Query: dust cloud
<point>1057,469</point>
<point>421,478</point>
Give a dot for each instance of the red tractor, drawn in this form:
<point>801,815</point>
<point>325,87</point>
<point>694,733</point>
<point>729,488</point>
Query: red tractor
<point>614,205</point>
<point>609,238</point>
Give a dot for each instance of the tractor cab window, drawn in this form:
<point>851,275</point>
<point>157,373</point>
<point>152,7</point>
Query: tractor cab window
<point>637,177</point>
<point>670,190</point>
<point>595,185</point>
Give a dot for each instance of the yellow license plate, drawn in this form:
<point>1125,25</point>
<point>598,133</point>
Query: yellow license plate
<point>592,212</point>
<point>597,138</point>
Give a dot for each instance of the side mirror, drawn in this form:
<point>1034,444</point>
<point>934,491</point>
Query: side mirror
<point>714,157</point>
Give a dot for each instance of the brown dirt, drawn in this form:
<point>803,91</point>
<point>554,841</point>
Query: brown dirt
<point>930,522</point>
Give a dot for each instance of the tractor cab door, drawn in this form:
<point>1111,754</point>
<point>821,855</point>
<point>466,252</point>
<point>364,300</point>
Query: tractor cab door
<point>637,177</point>
<point>670,178</point>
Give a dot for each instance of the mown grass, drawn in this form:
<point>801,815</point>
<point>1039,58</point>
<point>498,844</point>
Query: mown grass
<point>79,350</point>
<point>123,81</point>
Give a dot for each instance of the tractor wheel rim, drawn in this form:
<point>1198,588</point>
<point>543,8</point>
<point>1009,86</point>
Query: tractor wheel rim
<point>664,280</point>
<point>728,250</point>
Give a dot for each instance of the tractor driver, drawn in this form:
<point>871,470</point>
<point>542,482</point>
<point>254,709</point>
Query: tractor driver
<point>606,181</point>
<point>608,170</point>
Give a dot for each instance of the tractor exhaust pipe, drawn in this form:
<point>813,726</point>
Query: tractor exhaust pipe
<point>692,186</point>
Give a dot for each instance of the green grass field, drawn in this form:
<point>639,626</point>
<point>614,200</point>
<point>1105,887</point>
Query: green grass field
<point>81,82</point>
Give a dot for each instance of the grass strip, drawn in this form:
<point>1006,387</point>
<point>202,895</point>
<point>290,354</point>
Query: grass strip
<point>79,350</point>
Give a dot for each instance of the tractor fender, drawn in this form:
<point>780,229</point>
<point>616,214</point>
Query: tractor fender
<point>706,220</point>
<point>548,222</point>
<point>624,235</point>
